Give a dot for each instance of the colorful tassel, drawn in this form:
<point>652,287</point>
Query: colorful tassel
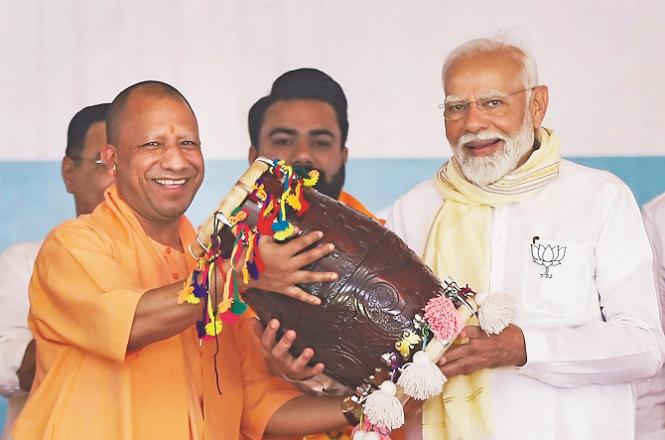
<point>367,431</point>
<point>421,379</point>
<point>442,318</point>
<point>496,311</point>
<point>382,407</point>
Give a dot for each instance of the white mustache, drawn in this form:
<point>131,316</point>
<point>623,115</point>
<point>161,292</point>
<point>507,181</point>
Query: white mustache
<point>481,136</point>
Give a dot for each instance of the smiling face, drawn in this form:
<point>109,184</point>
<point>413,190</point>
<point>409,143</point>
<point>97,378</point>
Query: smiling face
<point>305,133</point>
<point>489,146</point>
<point>158,155</point>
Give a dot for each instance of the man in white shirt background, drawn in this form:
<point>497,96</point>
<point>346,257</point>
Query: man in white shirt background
<point>651,392</point>
<point>85,178</point>
<point>507,214</point>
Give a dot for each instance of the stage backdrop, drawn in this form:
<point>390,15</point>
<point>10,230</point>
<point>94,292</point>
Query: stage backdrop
<point>603,64</point>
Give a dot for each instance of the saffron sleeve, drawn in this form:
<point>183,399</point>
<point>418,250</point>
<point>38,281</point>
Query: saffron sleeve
<point>80,296</point>
<point>263,394</point>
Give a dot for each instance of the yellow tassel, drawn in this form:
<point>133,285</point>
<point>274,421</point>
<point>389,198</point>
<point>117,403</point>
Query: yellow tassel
<point>286,233</point>
<point>214,327</point>
<point>311,179</point>
<point>225,305</point>
<point>186,294</point>
<point>260,192</point>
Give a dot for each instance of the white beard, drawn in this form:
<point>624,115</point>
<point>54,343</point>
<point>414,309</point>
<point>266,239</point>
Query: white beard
<point>485,170</point>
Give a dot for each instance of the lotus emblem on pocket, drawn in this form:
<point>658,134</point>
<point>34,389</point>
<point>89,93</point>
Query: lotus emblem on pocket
<point>547,256</point>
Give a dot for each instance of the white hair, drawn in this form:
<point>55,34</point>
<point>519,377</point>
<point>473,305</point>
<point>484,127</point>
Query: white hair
<point>489,45</point>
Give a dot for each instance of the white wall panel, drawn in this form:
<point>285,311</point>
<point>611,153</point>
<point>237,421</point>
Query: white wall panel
<point>602,60</point>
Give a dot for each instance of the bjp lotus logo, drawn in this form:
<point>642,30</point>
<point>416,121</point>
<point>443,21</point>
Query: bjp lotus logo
<point>547,256</point>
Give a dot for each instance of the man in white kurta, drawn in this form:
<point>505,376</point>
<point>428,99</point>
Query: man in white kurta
<point>651,392</point>
<point>15,269</point>
<point>587,317</point>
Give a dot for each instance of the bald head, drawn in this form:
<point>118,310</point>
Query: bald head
<point>152,89</point>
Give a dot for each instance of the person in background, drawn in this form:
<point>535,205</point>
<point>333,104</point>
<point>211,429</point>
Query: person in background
<point>304,122</point>
<point>86,179</point>
<point>651,392</point>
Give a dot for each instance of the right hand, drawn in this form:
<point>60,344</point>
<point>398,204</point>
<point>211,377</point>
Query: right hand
<point>278,354</point>
<point>284,262</point>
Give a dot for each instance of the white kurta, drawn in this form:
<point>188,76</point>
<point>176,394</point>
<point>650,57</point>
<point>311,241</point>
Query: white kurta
<point>590,329</point>
<point>15,270</point>
<point>651,392</point>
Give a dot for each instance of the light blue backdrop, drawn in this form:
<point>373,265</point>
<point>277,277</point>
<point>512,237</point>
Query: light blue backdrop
<point>33,198</point>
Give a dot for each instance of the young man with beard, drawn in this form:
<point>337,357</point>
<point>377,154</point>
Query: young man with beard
<point>304,122</point>
<point>85,178</point>
<point>507,214</point>
<point>117,356</point>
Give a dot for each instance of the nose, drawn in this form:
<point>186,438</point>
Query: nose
<point>302,155</point>
<point>475,120</point>
<point>174,158</point>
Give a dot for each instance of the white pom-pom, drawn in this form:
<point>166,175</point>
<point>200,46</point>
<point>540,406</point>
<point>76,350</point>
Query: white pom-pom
<point>496,311</point>
<point>362,435</point>
<point>383,408</point>
<point>421,379</point>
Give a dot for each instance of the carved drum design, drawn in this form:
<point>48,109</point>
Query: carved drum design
<point>382,285</point>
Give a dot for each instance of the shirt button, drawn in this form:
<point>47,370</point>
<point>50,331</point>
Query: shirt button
<point>176,276</point>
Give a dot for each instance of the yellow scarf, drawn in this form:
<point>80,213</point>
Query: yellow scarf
<point>458,246</point>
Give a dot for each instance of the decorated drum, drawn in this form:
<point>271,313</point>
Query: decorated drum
<point>382,285</point>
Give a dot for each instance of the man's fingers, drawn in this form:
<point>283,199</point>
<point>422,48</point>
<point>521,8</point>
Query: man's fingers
<point>457,367</point>
<point>308,276</point>
<point>281,349</point>
<point>298,244</point>
<point>300,363</point>
<point>296,292</point>
<point>454,353</point>
<point>312,255</point>
<point>473,332</point>
<point>269,336</point>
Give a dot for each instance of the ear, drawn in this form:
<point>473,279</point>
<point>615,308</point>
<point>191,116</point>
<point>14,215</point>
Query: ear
<point>110,158</point>
<point>252,154</point>
<point>345,154</point>
<point>67,170</point>
<point>538,105</point>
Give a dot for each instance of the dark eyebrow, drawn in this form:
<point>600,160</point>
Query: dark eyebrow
<point>320,132</point>
<point>282,130</point>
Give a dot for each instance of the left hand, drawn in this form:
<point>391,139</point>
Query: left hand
<point>278,354</point>
<point>482,351</point>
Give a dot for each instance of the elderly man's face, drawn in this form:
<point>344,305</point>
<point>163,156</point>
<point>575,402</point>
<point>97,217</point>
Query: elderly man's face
<point>159,161</point>
<point>305,133</point>
<point>488,146</point>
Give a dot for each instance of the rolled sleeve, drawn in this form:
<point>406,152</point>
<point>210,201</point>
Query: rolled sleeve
<point>81,296</point>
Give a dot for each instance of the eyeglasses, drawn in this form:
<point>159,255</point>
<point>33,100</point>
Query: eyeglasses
<point>492,105</point>
<point>97,160</point>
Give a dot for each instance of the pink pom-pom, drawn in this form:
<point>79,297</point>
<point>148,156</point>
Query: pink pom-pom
<point>228,317</point>
<point>367,431</point>
<point>441,315</point>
